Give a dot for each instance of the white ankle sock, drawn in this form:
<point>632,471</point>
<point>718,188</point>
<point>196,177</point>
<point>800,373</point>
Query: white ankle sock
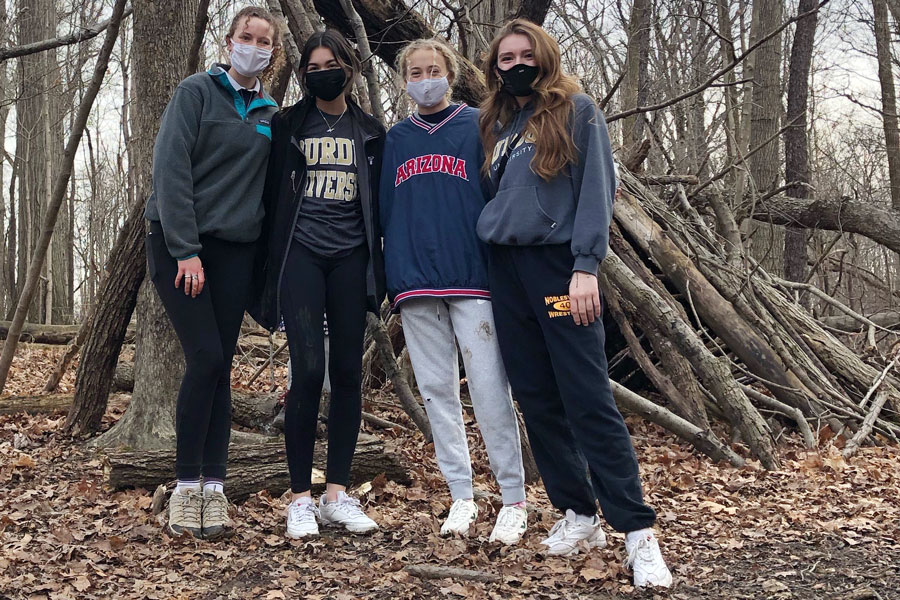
<point>633,536</point>
<point>588,519</point>
<point>214,486</point>
<point>187,484</point>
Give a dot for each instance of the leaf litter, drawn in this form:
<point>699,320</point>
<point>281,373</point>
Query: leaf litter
<point>821,527</point>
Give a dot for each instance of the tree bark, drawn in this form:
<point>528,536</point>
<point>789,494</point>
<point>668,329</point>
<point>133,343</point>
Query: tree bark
<point>47,334</point>
<point>796,144</point>
<point>888,97</point>
<point>159,363</point>
<point>635,91</point>
<point>767,241</point>
<point>717,312</point>
<point>253,467</point>
<point>715,375</point>
<point>59,189</point>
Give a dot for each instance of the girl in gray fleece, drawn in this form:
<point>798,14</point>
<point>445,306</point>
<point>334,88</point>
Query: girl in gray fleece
<point>205,213</point>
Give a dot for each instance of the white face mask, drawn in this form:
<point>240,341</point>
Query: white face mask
<point>427,92</point>
<point>249,60</point>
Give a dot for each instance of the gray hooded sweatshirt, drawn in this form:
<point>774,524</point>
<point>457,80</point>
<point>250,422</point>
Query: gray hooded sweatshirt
<point>209,163</point>
<point>574,207</point>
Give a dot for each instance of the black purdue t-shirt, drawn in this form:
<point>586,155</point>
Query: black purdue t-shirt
<point>330,222</point>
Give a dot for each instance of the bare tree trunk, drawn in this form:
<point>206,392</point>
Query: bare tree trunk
<point>58,192</point>
<point>365,54</point>
<point>888,98</point>
<point>159,362</point>
<point>796,144</point>
<point>767,241</point>
<point>635,91</point>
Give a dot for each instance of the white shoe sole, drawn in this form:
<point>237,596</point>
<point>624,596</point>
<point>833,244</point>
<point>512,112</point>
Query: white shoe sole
<point>361,529</point>
<point>593,545</point>
<point>299,535</point>
<point>667,582</point>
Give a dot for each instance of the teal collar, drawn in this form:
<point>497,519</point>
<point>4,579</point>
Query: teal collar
<point>262,98</point>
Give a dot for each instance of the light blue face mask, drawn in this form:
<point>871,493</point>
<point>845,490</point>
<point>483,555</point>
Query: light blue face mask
<point>427,92</point>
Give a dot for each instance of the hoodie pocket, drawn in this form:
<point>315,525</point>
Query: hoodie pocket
<point>515,217</point>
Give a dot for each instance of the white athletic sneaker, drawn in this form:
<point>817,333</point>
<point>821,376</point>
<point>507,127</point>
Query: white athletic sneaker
<point>511,524</point>
<point>301,518</point>
<point>462,514</point>
<point>345,512</point>
<point>565,535</point>
<point>645,559</point>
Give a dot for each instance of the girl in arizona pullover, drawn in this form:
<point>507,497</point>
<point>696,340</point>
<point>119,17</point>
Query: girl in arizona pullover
<point>431,196</point>
<point>324,258</point>
<point>205,214</point>
<point>548,229</point>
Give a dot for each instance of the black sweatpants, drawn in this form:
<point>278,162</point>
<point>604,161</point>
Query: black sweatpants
<point>312,285</point>
<point>207,327</point>
<point>558,374</point>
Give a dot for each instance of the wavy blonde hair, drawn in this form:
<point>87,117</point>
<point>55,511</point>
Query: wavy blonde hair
<point>553,105</point>
<point>437,45</point>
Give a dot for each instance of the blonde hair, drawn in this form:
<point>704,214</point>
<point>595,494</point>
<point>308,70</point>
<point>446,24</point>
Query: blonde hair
<point>435,44</point>
<point>553,105</point>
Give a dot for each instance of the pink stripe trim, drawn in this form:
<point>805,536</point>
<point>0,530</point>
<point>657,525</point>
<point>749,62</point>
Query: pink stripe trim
<point>432,128</point>
<point>442,293</point>
<point>450,116</point>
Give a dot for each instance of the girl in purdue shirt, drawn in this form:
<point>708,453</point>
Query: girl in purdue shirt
<point>324,257</point>
<point>431,196</point>
<point>548,229</point>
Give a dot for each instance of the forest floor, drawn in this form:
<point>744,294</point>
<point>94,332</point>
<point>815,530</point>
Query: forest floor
<point>821,527</point>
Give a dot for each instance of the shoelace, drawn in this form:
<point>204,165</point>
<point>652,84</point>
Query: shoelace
<point>352,506</point>
<point>642,551</point>
<point>217,508</point>
<point>189,509</point>
<point>558,529</point>
<point>303,512</point>
<point>509,517</point>
<point>457,510</point>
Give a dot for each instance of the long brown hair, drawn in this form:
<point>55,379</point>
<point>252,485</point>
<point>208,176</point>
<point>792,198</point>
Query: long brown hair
<point>548,126</point>
<point>259,12</point>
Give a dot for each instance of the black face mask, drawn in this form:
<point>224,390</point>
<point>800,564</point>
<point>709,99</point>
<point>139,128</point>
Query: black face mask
<point>517,80</point>
<point>327,84</point>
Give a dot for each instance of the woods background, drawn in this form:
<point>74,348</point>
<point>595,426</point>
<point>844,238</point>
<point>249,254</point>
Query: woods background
<point>751,287</point>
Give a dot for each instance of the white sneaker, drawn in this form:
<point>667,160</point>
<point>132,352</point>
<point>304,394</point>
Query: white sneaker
<point>462,514</point>
<point>645,559</point>
<point>301,518</point>
<point>511,524</point>
<point>345,512</point>
<point>565,535</point>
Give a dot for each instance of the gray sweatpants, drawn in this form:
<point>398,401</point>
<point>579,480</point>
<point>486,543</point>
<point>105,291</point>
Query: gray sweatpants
<point>432,327</point>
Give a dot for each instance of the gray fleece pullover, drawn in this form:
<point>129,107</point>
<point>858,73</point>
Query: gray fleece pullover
<point>209,163</point>
<point>574,207</point>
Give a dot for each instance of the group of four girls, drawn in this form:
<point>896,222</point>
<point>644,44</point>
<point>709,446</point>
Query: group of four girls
<point>486,227</point>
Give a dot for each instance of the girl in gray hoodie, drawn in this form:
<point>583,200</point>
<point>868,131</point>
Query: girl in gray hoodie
<point>548,154</point>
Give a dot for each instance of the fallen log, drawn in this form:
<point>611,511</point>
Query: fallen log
<point>248,410</point>
<point>47,403</point>
<point>252,467</point>
<point>50,334</point>
<point>455,573</point>
<point>889,319</point>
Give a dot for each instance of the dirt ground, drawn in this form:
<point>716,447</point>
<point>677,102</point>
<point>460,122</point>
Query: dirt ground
<point>820,527</point>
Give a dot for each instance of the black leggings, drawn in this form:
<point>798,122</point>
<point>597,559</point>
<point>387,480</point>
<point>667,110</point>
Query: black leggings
<point>207,327</point>
<point>313,285</point>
